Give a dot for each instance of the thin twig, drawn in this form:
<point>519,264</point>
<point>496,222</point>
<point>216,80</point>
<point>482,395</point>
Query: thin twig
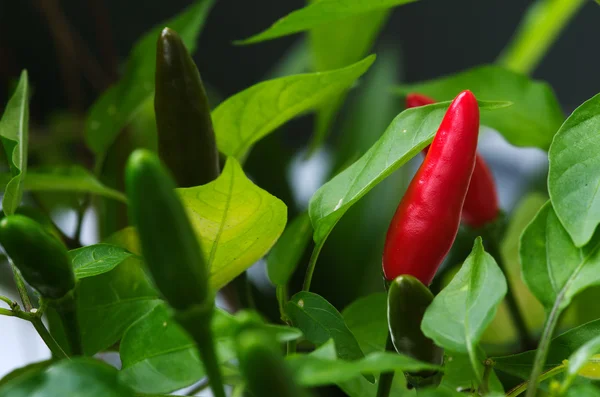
<point>54,347</point>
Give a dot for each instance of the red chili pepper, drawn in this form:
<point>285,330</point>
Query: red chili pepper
<point>426,222</point>
<point>481,204</point>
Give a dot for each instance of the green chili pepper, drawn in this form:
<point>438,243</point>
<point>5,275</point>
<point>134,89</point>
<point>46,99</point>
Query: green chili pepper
<point>185,131</point>
<point>172,253</point>
<point>45,264</point>
<point>408,299</point>
<point>263,367</point>
<point>169,244</point>
<point>42,259</point>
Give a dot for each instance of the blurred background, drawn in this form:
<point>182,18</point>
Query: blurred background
<point>75,49</point>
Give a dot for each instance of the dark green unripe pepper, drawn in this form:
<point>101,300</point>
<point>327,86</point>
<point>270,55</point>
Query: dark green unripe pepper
<point>169,244</point>
<point>172,253</point>
<point>263,367</point>
<point>186,139</point>
<point>45,264</point>
<point>408,299</point>
<point>41,258</point>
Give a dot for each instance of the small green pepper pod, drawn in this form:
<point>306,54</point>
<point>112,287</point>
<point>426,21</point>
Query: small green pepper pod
<point>45,264</point>
<point>263,367</point>
<point>41,258</point>
<point>186,139</point>
<point>169,244</point>
<point>408,299</point>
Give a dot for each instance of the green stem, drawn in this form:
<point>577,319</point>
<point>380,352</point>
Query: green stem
<point>21,288</point>
<point>386,378</point>
<point>526,342</point>
<point>540,27</point>
<point>54,347</point>
<point>197,322</point>
<point>5,299</point>
<point>68,317</point>
<point>484,387</point>
<point>209,359</point>
<point>6,312</point>
<point>281,291</point>
<point>311,265</point>
<point>546,375</point>
<point>542,350</point>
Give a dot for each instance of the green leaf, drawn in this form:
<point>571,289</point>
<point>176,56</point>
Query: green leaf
<point>554,269</point>
<point>120,103</point>
<point>248,116</point>
<point>312,370</point>
<point>460,313</point>
<point>409,133</point>
<point>366,318</point>
<point>574,174</point>
<point>338,44</point>
<point>97,259</point>
<point>532,121</point>
<point>580,360</point>
<point>64,179</point>
<point>460,375</point>
<point>502,331</point>
<point>320,321</point>
<point>561,348</point>
<point>160,357</point>
<point>287,252</point>
<point>236,222</point>
<point>24,371</point>
<point>109,303</point>
<point>76,377</point>
<point>320,13</point>
<point>14,133</point>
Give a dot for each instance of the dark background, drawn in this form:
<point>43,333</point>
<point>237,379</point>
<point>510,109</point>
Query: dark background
<point>436,37</point>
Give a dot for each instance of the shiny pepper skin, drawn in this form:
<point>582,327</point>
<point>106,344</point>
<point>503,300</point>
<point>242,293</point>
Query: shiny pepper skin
<point>169,244</point>
<point>41,257</point>
<point>408,300</point>
<point>481,203</point>
<point>186,139</point>
<point>427,219</point>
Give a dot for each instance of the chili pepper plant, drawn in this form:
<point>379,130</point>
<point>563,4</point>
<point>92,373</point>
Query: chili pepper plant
<point>201,275</point>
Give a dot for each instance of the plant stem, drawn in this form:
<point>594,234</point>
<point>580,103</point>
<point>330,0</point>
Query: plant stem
<point>197,322</point>
<point>6,312</point>
<point>21,288</point>
<point>518,320</point>
<point>54,347</point>
<point>540,27</point>
<point>517,390</point>
<point>386,378</point>
<point>9,302</point>
<point>281,292</point>
<point>312,264</point>
<point>542,350</point>
<point>210,361</point>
